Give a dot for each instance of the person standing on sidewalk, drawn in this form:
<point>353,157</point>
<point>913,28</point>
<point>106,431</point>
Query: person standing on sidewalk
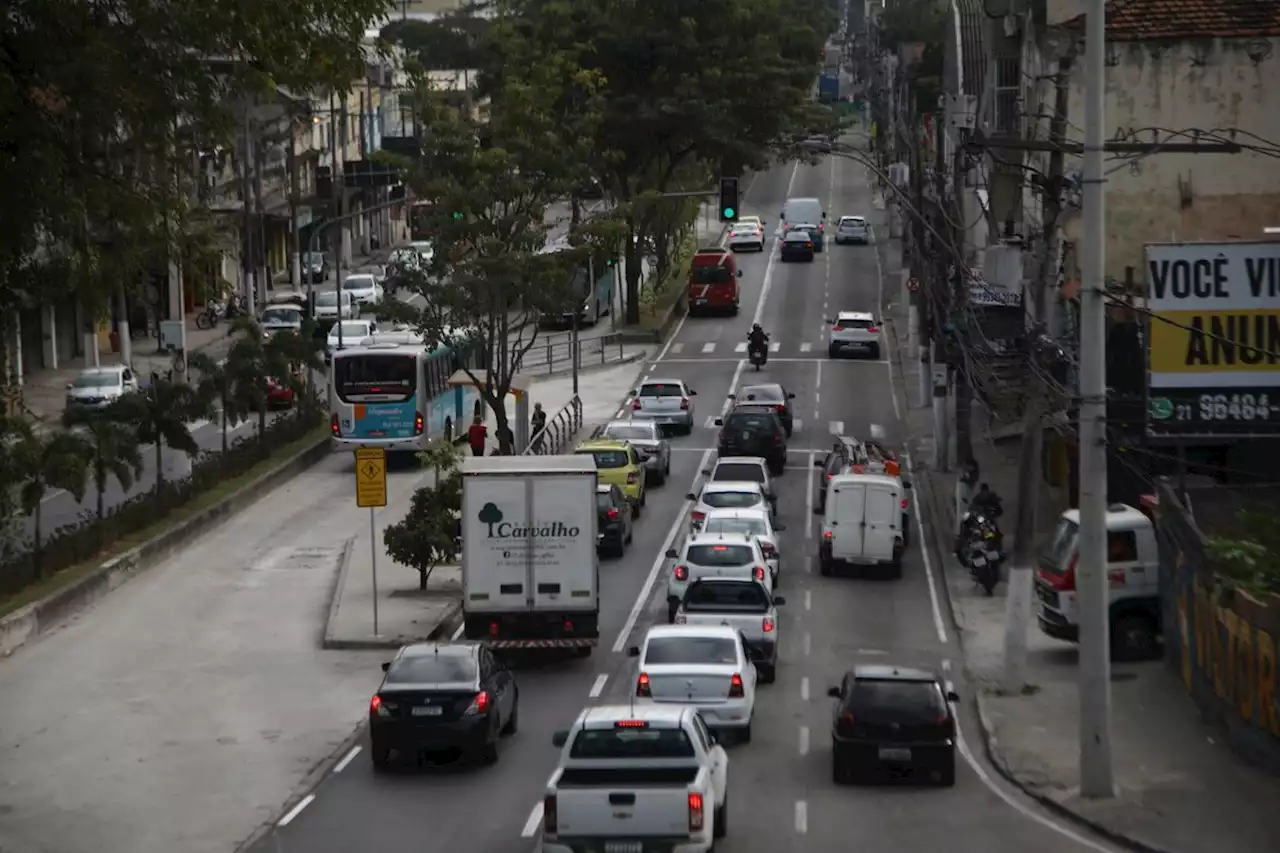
<point>477,434</point>
<point>538,423</point>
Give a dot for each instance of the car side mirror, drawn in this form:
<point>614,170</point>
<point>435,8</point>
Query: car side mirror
<point>906,484</point>
<point>817,510</point>
<point>386,665</point>
<point>692,393</point>
<point>635,393</point>
<point>791,396</point>
<point>671,552</point>
<point>70,386</point>
<point>953,696</point>
<point>560,738</point>
<point>819,463</point>
<point>780,527</point>
<point>706,472</point>
<point>833,692</point>
<point>739,273</point>
<point>779,601</point>
<point>731,396</point>
<point>719,421</point>
<point>633,651</point>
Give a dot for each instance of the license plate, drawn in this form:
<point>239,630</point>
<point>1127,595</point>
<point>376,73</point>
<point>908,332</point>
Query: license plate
<point>992,555</point>
<point>377,433</point>
<point>623,846</point>
<point>428,711</point>
<point>887,754</point>
<point>699,302</point>
<point>979,561</point>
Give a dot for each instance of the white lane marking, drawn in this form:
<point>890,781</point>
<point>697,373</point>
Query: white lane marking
<point>677,348</point>
<point>796,424</point>
<point>804,740</point>
<point>872,652</point>
<point>773,259</point>
<point>817,388</point>
<point>598,687</point>
<point>808,599</point>
<point>810,496</point>
<point>934,600</point>
<point>709,348</point>
<point>534,821</point>
<point>837,427</point>
<point>458,633</point>
<point>296,810</point>
<point>946,665</point>
<point>802,817</point>
<point>677,525</point>
<point>775,347</point>
<point>741,346</point>
<point>806,347</point>
<point>347,759</point>
<point>808,642</point>
<point>804,689</point>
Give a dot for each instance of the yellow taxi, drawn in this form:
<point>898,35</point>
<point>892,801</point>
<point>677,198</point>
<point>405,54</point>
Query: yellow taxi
<point>751,220</point>
<point>619,464</point>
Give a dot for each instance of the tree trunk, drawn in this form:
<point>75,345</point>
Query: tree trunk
<point>159,466</point>
<point>100,481</point>
<point>575,212</point>
<point>262,419</point>
<point>224,422</point>
<point>633,253</point>
<point>37,551</point>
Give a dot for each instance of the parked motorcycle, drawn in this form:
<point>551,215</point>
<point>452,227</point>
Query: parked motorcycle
<point>980,548</point>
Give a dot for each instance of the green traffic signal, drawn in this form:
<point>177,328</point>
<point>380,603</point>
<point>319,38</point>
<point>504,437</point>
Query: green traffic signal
<point>457,214</point>
<point>729,213</point>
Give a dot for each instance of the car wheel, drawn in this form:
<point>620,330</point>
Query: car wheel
<point>489,753</point>
<point>627,541</point>
<point>659,478</point>
<point>721,818</point>
<point>644,497</point>
<point>840,772</point>
<point>875,352</point>
<point>1134,638</point>
<point>672,607</point>
<point>513,724</point>
<point>947,772</point>
<point>906,524</point>
<point>833,352</point>
<point>824,566</point>
<point>768,672</point>
<point>636,510</point>
<point>381,757</point>
<point>744,735</point>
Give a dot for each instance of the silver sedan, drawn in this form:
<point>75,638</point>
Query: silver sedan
<point>646,436</point>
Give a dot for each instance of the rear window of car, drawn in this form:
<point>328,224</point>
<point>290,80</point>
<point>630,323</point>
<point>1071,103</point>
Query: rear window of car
<point>629,432</point>
<point>719,555</point>
<point>748,526</point>
<point>608,458</point>
<point>749,597</point>
<point>856,323</point>
<point>731,500</point>
<point>904,701</point>
<point>691,650</point>
<point>852,220</point>
<point>661,390</point>
<point>631,743</point>
<point>749,421</point>
<point>797,236</point>
<point>738,472</point>
<point>603,501</point>
<point>433,669</point>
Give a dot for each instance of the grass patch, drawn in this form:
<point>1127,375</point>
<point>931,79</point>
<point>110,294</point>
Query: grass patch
<point>196,505</point>
<point>659,299</point>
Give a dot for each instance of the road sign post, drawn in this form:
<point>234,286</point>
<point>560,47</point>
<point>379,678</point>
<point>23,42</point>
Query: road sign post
<point>371,492</point>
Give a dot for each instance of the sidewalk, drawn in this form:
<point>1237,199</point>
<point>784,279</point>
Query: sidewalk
<point>405,613</point>
<point>1180,789</point>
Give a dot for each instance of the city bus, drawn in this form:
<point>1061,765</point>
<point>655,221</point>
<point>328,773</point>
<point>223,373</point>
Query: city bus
<point>593,302</point>
<point>395,394</point>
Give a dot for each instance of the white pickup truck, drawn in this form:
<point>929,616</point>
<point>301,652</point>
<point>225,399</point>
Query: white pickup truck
<point>744,604</point>
<point>648,779</point>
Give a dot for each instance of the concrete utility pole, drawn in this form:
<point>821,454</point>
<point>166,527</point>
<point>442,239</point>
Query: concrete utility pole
<point>1018,600</point>
<point>943,257</point>
<point>295,250</point>
<point>1096,780</point>
<point>920,328</point>
<point>246,190</point>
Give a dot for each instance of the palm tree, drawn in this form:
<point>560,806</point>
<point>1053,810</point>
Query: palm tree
<point>10,472</point>
<point>53,460</point>
<point>217,385</point>
<point>248,370</point>
<point>296,356</point>
<point>159,415</point>
<point>113,449</point>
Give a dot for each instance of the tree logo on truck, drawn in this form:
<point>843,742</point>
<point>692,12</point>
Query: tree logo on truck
<point>498,529</point>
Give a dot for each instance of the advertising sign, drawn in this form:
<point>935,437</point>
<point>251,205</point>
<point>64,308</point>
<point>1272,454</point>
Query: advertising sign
<point>1213,340</point>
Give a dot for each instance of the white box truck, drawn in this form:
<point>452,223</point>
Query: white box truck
<point>529,565</point>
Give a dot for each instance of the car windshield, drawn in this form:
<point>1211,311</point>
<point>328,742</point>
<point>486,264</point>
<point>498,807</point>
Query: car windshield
<point>358,282</point>
<point>623,743</point>
<point>97,380</point>
<point>738,472</point>
<point>692,650</point>
<point>797,237</point>
<point>661,389</point>
<point>439,668</point>
<point>901,701</point>
<point>731,500</point>
<point>749,422</point>
<point>1062,546</point>
<point>630,432</point>
<point>726,556</point>
<point>749,597</point>
<point>728,524</point>
<point>608,458</point>
<point>351,330</point>
<point>282,315</point>
<point>312,258</point>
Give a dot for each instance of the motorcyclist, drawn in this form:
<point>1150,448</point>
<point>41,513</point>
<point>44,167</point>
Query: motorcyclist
<point>757,339</point>
<point>986,502</point>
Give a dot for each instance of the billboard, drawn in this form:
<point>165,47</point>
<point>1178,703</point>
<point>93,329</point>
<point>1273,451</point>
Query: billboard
<point>1213,340</point>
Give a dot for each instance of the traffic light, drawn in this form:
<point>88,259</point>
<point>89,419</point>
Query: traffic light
<point>728,199</point>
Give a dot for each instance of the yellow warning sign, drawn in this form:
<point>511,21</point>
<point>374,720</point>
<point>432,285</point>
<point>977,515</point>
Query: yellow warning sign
<point>371,477</point>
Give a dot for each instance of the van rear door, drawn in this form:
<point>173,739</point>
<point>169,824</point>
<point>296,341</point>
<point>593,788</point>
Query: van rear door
<point>844,519</point>
<point>882,515</point>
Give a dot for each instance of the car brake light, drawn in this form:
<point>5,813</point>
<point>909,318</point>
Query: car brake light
<point>682,573</point>
<point>480,704</point>
<point>493,629</point>
<point>779,439</point>
<point>699,516</point>
<point>633,478</point>
<point>611,515</point>
<point>767,627</point>
<point>837,328</point>
<point>827,536</point>
<point>333,426</point>
<point>904,503</point>
<point>736,689</point>
<point>684,404</point>
<point>695,812</point>
<point>873,329</point>
<point>567,627</point>
<point>758,573</point>
<point>417,424</point>
<point>378,708</point>
<point>635,405</point>
<point>769,550</point>
<point>642,686</point>
<point>847,717</point>
<point>1065,582</point>
<point>550,819</point>
<point>780,409</point>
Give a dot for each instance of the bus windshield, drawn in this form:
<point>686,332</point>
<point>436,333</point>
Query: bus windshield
<point>380,376</point>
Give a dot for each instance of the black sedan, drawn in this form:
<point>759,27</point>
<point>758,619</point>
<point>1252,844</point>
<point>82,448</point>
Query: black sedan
<point>769,395</point>
<point>797,246</point>
<point>751,430</point>
<point>892,718</point>
<point>615,520</point>
<point>442,697</point>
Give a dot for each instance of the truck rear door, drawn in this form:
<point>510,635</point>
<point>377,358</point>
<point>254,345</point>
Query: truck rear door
<point>882,515</point>
<point>624,803</point>
<point>846,504</point>
<point>563,554</point>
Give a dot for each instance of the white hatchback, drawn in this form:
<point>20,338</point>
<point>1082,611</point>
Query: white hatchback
<point>363,287</point>
<point>727,494</point>
<point>854,330</point>
<point>719,555</point>
<point>708,667</point>
<point>853,229</point>
<point>756,523</point>
<point>746,236</point>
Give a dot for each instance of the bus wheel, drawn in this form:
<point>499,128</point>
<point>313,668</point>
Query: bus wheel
<point>448,429</point>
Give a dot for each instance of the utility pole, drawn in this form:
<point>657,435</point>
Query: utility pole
<point>339,137</point>
<point>246,190</point>
<point>941,433</point>
<point>1018,600</point>
<point>1096,779</point>
<point>920,329</point>
<point>295,248</point>
<point>260,232</point>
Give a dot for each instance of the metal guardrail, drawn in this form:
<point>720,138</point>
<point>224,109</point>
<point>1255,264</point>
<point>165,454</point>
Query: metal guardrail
<point>558,432</point>
<point>555,355</point>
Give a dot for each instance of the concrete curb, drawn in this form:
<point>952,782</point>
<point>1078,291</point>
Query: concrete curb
<point>30,622</point>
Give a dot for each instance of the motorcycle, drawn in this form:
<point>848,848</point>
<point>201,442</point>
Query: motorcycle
<point>980,549</point>
<point>758,354</point>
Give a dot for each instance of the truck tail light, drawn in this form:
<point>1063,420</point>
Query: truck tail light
<point>550,819</point>
<point>684,404</point>
<point>696,814</point>
<point>418,425</point>
<point>635,405</point>
<point>827,536</point>
<point>758,573</point>
<point>611,515</point>
<point>767,625</point>
<point>334,429</point>
<point>736,688</point>
<point>682,573</point>
<point>642,686</point>
<point>480,704</point>
<point>1065,582</point>
<point>633,478</point>
<point>903,503</point>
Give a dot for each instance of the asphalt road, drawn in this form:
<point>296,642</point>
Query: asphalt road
<point>781,790</point>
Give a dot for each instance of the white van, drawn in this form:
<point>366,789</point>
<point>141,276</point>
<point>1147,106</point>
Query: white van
<point>803,210</point>
<point>862,523</point>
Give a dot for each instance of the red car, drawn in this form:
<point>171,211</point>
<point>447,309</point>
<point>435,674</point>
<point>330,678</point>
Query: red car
<point>279,395</point>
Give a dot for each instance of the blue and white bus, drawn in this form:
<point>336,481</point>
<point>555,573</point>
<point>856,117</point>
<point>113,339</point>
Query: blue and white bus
<point>595,299</point>
<point>396,395</point>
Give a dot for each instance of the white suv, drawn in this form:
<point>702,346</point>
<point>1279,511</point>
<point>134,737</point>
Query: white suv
<point>714,555</point>
<point>854,330</point>
<point>853,229</point>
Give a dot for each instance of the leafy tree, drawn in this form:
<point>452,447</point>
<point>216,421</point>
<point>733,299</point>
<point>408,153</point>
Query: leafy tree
<point>217,389</point>
<point>722,82</point>
<point>52,460</point>
<point>254,362</point>
<point>113,449</point>
<point>297,356</point>
<point>159,415</point>
<point>430,534</point>
<point>12,430</point>
<point>491,183</point>
<point>450,41</point>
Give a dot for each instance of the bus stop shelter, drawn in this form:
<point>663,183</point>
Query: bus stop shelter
<point>519,389</point>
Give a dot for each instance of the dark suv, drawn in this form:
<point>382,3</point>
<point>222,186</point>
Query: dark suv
<point>894,718</point>
<point>752,430</point>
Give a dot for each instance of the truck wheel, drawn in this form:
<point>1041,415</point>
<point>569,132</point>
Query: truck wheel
<point>768,672</point>
<point>1134,638</point>
<point>721,818</point>
<point>582,652</point>
<point>672,607</point>
<point>744,734</point>
<point>381,757</point>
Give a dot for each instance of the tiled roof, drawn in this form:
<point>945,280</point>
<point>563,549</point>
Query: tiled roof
<point>1139,20</point>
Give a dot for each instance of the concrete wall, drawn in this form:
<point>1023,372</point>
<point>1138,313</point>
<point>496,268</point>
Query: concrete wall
<point>1210,84</point>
